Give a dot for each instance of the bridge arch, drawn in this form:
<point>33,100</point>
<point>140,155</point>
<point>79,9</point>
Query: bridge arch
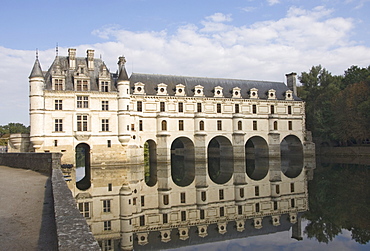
<point>220,159</point>
<point>256,158</point>
<point>182,161</point>
<point>150,162</point>
<point>291,151</point>
<point>83,168</point>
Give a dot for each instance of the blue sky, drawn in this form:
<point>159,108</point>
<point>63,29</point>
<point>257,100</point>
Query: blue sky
<point>247,39</point>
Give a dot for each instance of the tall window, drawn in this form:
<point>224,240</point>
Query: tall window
<point>104,85</point>
<point>166,199</point>
<point>82,123</point>
<point>165,218</point>
<point>277,189</point>
<point>203,196</point>
<point>256,191</point>
<point>254,109</point>
<point>218,108</point>
<point>272,109</point>
<point>181,107</point>
<point>257,207</point>
<point>292,187</point>
<point>222,211</point>
<point>105,105</point>
<point>164,125</point>
<point>182,197</point>
<point>139,106</point>
<point>292,203</point>
<point>142,220</point>
<point>201,125</point>
<point>254,125</point>
<point>275,205</point>
<point>199,107</point>
<point>140,125</point>
<point>142,201</point>
<point>275,125</point>
<point>181,125</point>
<point>84,208</point>
<point>58,84</point>
<point>82,102</point>
<point>219,125</point>
<point>162,107</point>
<point>106,206</point>
<point>290,125</point>
<point>221,194</point>
<point>289,109</point>
<point>58,104</point>
<point>82,85</point>
<point>107,225</point>
<point>106,245</point>
<point>58,125</point>
<point>240,210</point>
<point>236,108</point>
<point>105,125</point>
<point>183,215</point>
<point>240,125</point>
<point>201,214</point>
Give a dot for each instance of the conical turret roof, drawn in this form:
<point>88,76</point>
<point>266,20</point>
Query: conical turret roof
<point>36,70</point>
<point>122,75</point>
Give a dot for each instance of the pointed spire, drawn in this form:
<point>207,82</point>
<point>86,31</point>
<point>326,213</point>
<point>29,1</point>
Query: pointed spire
<point>36,70</point>
<point>122,74</point>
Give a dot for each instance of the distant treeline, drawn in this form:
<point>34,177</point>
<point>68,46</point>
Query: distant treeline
<point>6,130</point>
<point>337,107</point>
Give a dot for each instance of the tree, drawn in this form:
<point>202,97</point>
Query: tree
<point>12,128</point>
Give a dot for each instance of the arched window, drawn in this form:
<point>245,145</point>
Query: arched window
<point>164,125</point>
<point>201,125</point>
<point>275,125</point>
<point>240,125</point>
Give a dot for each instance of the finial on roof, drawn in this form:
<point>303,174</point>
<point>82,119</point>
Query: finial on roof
<point>57,50</point>
<point>36,70</point>
<point>37,53</point>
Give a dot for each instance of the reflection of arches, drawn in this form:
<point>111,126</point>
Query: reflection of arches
<point>256,158</point>
<point>220,160</point>
<point>150,162</point>
<point>182,161</point>
<point>291,150</point>
<point>82,156</point>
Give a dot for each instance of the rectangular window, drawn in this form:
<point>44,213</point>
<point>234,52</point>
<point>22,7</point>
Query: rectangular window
<point>203,196</point>
<point>82,85</point>
<point>109,187</point>
<point>105,125</point>
<point>254,125</point>
<point>132,127</point>
<point>254,109</point>
<point>201,214</point>
<point>139,106</point>
<point>218,108</point>
<point>104,86</point>
<point>275,125</point>
<point>277,189</point>
<point>199,107</point>
<point>182,197</point>
<point>272,109</point>
<point>55,142</point>
<point>289,109</point>
<point>221,194</point>
<point>82,102</point>
<point>142,220</point>
<point>181,107</point>
<point>290,125</point>
<point>84,208</point>
<point>165,218</point>
<point>140,125</point>
<point>82,123</point>
<point>107,225</point>
<point>181,125</point>
<point>237,108</point>
<point>219,125</point>
<point>58,104</point>
<point>292,203</point>
<point>240,210</point>
<point>257,207</point>
<point>275,205</point>
<point>162,107</point>
<point>256,191</point>
<point>105,105</point>
<point>106,206</point>
<point>240,125</point>
<point>109,143</point>
<point>222,211</point>
<point>241,192</point>
<point>183,215</point>
<point>107,245</point>
<point>292,187</point>
<point>142,201</point>
<point>165,199</point>
<point>58,84</point>
<point>58,125</point>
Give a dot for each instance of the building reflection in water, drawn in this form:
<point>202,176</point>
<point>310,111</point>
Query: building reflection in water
<point>138,216</point>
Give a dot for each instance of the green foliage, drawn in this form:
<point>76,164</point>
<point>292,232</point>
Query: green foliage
<point>337,106</point>
<point>5,130</point>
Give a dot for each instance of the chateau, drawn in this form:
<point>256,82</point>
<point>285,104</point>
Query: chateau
<point>170,149</point>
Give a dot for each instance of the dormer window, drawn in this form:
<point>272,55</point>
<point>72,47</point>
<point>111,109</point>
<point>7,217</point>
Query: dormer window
<point>139,88</point>
<point>289,95</point>
<point>198,92</point>
<point>236,92</point>
<point>180,90</point>
<point>82,85</point>
<point>271,94</point>
<point>58,84</point>
<point>162,89</point>
<point>104,86</point>
<point>218,92</point>
<point>254,93</point>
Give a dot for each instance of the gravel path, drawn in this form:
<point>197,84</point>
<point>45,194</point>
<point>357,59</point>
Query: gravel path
<point>26,211</point>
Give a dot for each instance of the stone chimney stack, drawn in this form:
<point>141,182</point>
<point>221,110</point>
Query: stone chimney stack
<point>72,58</point>
<point>292,82</point>
<point>90,59</point>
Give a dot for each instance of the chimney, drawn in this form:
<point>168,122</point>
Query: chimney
<point>292,82</point>
<point>90,59</point>
<point>72,58</point>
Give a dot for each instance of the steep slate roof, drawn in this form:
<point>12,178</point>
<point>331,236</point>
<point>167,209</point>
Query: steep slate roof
<point>152,80</point>
<point>63,63</point>
<point>36,70</point>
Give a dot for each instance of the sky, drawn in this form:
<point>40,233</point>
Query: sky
<point>242,39</point>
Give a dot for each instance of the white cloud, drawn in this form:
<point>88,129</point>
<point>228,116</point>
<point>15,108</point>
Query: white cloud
<point>272,2</point>
<point>214,48</point>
